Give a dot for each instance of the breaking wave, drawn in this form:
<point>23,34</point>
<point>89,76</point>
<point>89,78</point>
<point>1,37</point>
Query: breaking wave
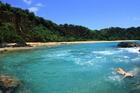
<point>107,52</point>
<point>131,50</point>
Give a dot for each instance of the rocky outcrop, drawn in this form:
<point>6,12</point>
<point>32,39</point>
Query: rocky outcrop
<point>8,84</point>
<point>128,44</point>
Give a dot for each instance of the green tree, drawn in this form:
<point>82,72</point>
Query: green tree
<point>8,34</point>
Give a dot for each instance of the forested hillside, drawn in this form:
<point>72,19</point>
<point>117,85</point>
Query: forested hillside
<point>18,25</point>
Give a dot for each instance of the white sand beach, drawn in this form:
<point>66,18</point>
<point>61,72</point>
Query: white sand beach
<point>50,44</point>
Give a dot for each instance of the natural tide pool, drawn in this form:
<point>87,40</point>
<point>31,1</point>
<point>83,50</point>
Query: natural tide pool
<point>75,68</point>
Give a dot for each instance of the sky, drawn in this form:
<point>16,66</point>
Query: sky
<point>94,14</point>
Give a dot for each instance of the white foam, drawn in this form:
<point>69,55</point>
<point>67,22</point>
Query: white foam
<point>59,54</point>
<point>134,71</point>
<point>103,52</point>
<point>82,63</point>
<point>107,52</point>
<point>126,57</point>
<point>135,59</point>
<point>114,78</point>
<point>132,50</point>
<point>98,57</point>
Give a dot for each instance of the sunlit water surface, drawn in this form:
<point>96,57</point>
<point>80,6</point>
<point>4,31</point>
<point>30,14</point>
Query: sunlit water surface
<point>79,68</point>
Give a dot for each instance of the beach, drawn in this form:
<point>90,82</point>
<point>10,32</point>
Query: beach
<point>51,44</point>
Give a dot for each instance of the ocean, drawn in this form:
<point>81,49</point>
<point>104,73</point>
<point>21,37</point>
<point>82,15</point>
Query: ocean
<point>74,68</point>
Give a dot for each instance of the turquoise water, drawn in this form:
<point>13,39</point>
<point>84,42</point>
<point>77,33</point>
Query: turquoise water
<point>79,68</point>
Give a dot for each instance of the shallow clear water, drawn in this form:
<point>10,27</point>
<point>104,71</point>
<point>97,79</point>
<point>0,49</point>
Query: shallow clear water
<point>79,68</point>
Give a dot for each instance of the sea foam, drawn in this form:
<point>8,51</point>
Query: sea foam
<point>82,63</point>
<point>131,50</point>
<point>134,71</point>
<point>103,52</point>
<point>107,52</point>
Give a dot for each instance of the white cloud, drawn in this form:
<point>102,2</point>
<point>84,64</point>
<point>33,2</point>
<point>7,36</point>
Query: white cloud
<point>27,1</point>
<point>39,5</point>
<point>33,9</point>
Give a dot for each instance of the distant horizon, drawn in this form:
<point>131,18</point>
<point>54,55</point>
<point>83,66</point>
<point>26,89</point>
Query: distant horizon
<point>93,14</point>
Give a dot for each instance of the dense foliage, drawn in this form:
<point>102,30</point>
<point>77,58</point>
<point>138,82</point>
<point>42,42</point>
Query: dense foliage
<point>18,25</point>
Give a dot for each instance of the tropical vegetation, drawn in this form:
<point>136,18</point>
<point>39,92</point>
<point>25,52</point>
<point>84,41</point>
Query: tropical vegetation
<point>20,26</point>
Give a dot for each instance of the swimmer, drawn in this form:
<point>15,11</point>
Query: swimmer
<point>124,73</point>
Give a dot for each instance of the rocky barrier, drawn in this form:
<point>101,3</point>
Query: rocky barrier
<point>8,84</point>
<point>128,44</point>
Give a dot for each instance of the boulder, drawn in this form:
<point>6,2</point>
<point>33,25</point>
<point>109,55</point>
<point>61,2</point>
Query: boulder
<point>8,84</point>
<point>128,44</point>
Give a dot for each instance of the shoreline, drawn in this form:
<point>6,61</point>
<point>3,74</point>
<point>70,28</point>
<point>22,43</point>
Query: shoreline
<point>36,44</point>
<point>51,44</point>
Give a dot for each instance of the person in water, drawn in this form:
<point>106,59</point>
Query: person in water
<point>124,73</point>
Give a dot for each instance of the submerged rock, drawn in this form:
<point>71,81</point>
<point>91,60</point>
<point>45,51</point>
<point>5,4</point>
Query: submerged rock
<point>128,44</point>
<point>8,84</point>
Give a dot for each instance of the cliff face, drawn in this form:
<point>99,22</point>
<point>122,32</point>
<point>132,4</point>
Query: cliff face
<point>22,24</point>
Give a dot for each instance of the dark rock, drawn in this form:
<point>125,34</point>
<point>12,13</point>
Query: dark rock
<point>2,45</point>
<point>20,45</point>
<point>128,44</point>
<point>8,84</point>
